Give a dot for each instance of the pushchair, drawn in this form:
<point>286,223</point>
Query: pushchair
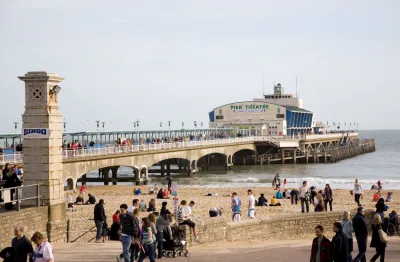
<point>178,245</point>
<point>393,224</point>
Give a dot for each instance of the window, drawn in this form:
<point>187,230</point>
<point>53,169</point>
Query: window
<point>280,115</point>
<point>219,117</point>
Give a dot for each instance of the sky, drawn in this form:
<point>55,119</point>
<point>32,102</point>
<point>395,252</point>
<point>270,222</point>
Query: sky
<point>160,61</point>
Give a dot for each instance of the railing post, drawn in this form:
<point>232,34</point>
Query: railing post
<point>38,195</point>
<point>15,158</point>
<point>17,198</point>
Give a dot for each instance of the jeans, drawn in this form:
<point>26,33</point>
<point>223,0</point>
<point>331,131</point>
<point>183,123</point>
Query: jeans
<point>160,239</point>
<point>304,201</point>
<point>350,241</point>
<point>326,204</point>
<point>126,244</point>
<point>150,253</point>
<point>357,199</point>
<point>99,232</point>
<point>362,248</point>
<point>380,251</point>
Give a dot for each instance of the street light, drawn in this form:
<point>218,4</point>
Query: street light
<point>169,129</point>
<point>103,124</point>
<point>15,126</point>
<point>195,124</point>
<point>183,125</point>
<point>160,124</point>
<point>65,125</point>
<point>137,126</point>
<point>98,126</point>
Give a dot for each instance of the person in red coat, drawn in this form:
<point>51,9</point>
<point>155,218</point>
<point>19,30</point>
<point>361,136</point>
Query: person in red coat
<point>321,246</point>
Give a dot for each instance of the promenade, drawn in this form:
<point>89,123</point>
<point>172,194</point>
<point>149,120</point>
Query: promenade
<point>270,251</point>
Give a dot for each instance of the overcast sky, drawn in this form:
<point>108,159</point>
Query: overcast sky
<point>177,60</point>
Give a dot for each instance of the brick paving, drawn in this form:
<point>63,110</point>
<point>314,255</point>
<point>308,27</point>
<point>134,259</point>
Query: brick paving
<point>280,251</point>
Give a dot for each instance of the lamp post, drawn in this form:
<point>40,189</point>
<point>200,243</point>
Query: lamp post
<point>137,128</point>
<point>250,126</point>
<point>195,124</point>
<point>103,124</point>
<point>169,129</point>
<point>160,125</point>
<point>65,126</point>
<point>15,126</point>
<point>98,126</point>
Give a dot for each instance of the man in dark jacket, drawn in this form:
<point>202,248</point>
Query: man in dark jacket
<point>129,233</point>
<point>339,244</point>
<point>321,247</point>
<point>361,232</point>
<point>99,219</point>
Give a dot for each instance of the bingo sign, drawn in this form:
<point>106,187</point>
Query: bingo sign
<point>35,133</point>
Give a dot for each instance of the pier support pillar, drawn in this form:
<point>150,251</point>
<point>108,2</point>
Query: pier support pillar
<point>106,172</point>
<point>294,156</point>
<point>114,172</point>
<point>283,156</point>
<point>306,154</point>
<point>325,157</point>
<point>268,160</point>
<point>162,169</point>
<point>169,168</point>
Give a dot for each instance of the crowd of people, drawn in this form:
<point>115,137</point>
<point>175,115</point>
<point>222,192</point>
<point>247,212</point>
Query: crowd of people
<point>143,237</point>
<point>11,176</point>
<point>21,248</point>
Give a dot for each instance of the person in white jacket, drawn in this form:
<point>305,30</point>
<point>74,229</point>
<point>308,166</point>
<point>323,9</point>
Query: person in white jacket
<point>358,191</point>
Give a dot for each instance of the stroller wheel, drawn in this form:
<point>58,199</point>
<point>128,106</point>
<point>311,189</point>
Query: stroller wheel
<point>175,254</point>
<point>180,253</point>
<point>186,254</point>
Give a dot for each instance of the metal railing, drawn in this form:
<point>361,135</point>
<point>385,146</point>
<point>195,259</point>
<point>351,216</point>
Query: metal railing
<point>84,152</point>
<point>14,194</point>
<point>11,158</point>
<point>112,150</point>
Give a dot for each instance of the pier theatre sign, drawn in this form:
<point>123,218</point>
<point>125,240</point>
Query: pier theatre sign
<point>252,108</point>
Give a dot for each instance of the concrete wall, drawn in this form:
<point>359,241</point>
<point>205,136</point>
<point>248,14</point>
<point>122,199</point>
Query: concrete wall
<point>33,219</point>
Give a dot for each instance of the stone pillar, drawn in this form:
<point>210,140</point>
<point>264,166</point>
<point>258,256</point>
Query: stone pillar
<point>283,156</point>
<point>306,155</point>
<point>114,172</point>
<point>43,151</point>
<point>326,157</point>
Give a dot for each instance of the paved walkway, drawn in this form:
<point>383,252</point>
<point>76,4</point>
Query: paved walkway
<point>279,251</point>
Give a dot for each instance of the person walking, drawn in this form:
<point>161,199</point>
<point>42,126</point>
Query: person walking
<point>328,197</point>
<point>20,245</point>
<point>376,240</point>
<point>321,247</point>
<point>361,232</point>
<point>252,204</point>
<point>43,251</point>
<point>129,233</point>
<point>303,197</point>
<point>236,203</point>
<point>358,192</point>
<point>348,230</point>
<point>162,222</point>
<point>147,243</point>
<point>339,244</point>
<point>99,219</point>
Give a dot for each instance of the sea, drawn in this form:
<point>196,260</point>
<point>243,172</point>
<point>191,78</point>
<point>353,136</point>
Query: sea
<point>383,165</point>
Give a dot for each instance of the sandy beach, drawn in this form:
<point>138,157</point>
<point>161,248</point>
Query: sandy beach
<point>116,195</point>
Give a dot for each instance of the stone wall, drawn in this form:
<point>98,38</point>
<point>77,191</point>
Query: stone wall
<point>213,230</point>
<point>282,227</point>
<point>33,219</point>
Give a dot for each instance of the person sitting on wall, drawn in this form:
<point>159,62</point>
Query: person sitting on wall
<point>274,202</point>
<point>278,194</point>
<point>262,200</point>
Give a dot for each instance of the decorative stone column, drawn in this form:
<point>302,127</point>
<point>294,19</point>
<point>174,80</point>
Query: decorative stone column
<point>42,154</point>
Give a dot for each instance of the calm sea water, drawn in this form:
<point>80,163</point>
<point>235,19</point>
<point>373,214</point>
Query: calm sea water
<point>383,164</point>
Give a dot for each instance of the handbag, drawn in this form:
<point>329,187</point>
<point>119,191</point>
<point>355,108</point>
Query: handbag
<point>383,236</point>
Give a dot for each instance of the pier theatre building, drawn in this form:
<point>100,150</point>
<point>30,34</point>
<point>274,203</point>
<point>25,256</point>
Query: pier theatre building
<point>275,114</point>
